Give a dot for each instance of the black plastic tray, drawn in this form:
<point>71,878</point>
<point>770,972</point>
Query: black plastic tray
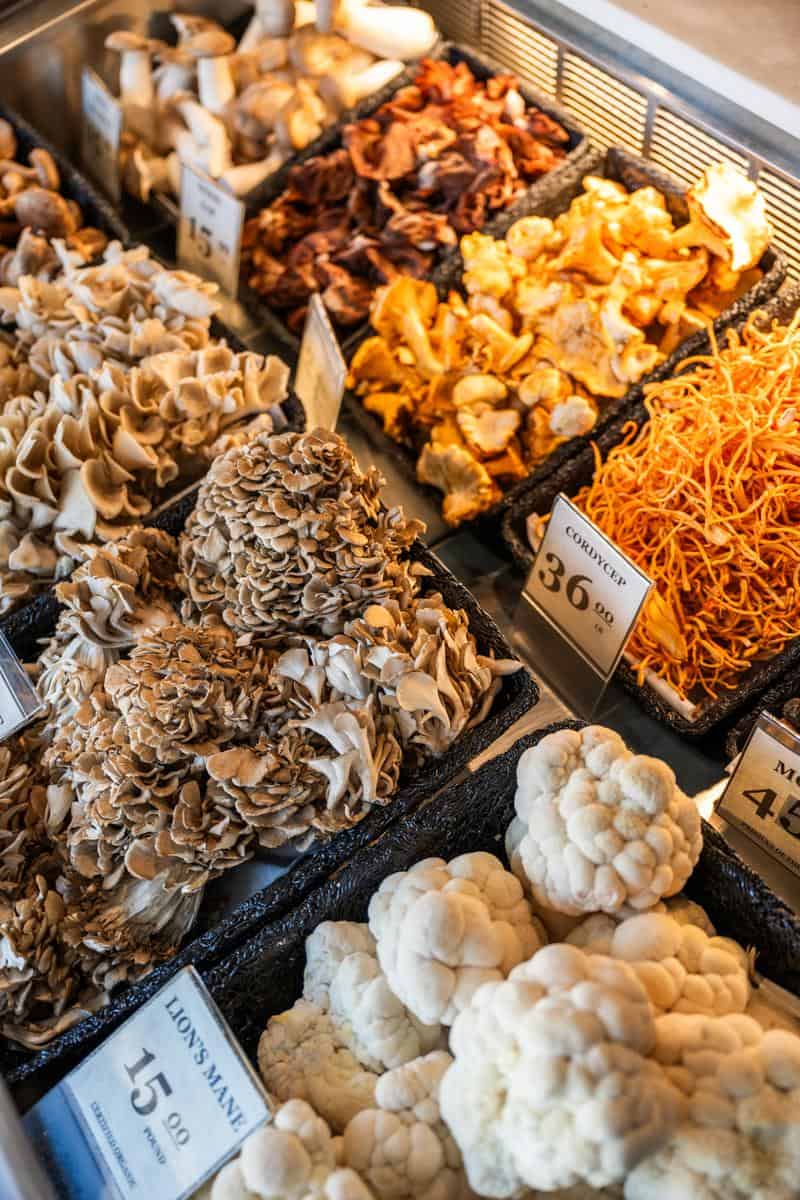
<point>517,694</point>
<point>97,212</point>
<point>570,476</point>
<point>771,701</point>
<point>264,975</point>
<point>634,172</point>
<point>541,196</point>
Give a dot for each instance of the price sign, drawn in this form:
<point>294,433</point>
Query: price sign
<point>763,794</point>
<point>19,700</point>
<point>210,230</point>
<point>101,131</point>
<point>156,1109</point>
<point>321,369</point>
<point>586,588</point>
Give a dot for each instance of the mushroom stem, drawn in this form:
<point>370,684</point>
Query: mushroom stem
<point>136,78</point>
<point>215,82</point>
<point>388,31</point>
<point>242,179</point>
<point>276,17</point>
<point>341,89</point>
<point>251,36</point>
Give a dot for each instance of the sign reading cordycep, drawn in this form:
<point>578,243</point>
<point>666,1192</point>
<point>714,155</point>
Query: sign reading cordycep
<point>156,1109</point>
<point>586,588</point>
<point>210,230</point>
<point>19,700</point>
<point>763,794</point>
<point>321,369</point>
<point>101,130</point>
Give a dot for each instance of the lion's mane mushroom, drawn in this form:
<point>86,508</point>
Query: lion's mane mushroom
<point>288,533</point>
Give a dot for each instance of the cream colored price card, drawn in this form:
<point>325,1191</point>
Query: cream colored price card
<point>763,795</point>
<point>167,1098</point>
<point>321,369</point>
<point>586,588</point>
<point>210,230</point>
<point>101,131</point>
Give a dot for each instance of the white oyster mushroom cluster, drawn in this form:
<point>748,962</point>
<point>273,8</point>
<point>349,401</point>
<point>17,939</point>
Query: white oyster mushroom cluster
<point>129,395</point>
<point>292,1158</point>
<point>552,1084</point>
<point>237,112</point>
<point>444,929</point>
<point>600,828</point>
<point>682,969</point>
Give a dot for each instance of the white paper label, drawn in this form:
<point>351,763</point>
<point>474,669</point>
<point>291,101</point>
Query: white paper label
<point>586,588</point>
<point>169,1096</point>
<point>763,794</point>
<point>321,369</point>
<point>19,700</point>
<point>210,230</point>
<point>100,133</point>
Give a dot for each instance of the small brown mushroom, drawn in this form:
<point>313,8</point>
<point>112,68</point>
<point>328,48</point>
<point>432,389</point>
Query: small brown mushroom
<point>46,170</point>
<point>46,212</point>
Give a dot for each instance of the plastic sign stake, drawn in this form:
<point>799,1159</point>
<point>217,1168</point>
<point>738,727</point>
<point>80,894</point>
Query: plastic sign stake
<point>19,700</point>
<point>321,369</point>
<point>210,230</point>
<point>585,588</point>
<point>763,794</point>
<point>101,131</point>
<point>156,1109</point>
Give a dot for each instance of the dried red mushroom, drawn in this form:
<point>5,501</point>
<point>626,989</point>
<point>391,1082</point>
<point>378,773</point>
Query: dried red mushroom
<point>436,161</point>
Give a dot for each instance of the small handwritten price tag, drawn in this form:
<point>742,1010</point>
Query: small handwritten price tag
<point>321,369</point>
<point>210,230</point>
<point>19,700</point>
<point>100,133</point>
<point>586,588</point>
<point>156,1109</point>
<point>763,794</point>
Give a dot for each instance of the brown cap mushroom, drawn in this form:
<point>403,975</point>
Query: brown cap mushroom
<point>8,140</point>
<point>46,212</point>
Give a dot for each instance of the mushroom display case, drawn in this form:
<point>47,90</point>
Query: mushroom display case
<point>470,404</point>
<point>292,991</point>
<point>309,744</point>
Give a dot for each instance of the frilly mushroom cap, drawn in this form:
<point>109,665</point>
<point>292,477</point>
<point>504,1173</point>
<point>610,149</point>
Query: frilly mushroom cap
<point>184,691</point>
<point>731,211</point>
<point>288,533</point>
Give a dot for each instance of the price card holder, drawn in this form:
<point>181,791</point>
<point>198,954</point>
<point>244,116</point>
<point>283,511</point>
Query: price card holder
<point>763,794</point>
<point>156,1109</point>
<point>19,700</point>
<point>210,230</point>
<point>579,606</point>
<point>321,369</point>
<point>101,131</point>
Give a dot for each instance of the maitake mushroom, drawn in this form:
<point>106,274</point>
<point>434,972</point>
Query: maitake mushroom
<point>289,533</point>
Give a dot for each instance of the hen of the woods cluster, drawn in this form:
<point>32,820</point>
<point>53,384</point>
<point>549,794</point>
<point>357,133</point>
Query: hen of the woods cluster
<point>573,1028</point>
<point>260,682</point>
<point>114,392</point>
